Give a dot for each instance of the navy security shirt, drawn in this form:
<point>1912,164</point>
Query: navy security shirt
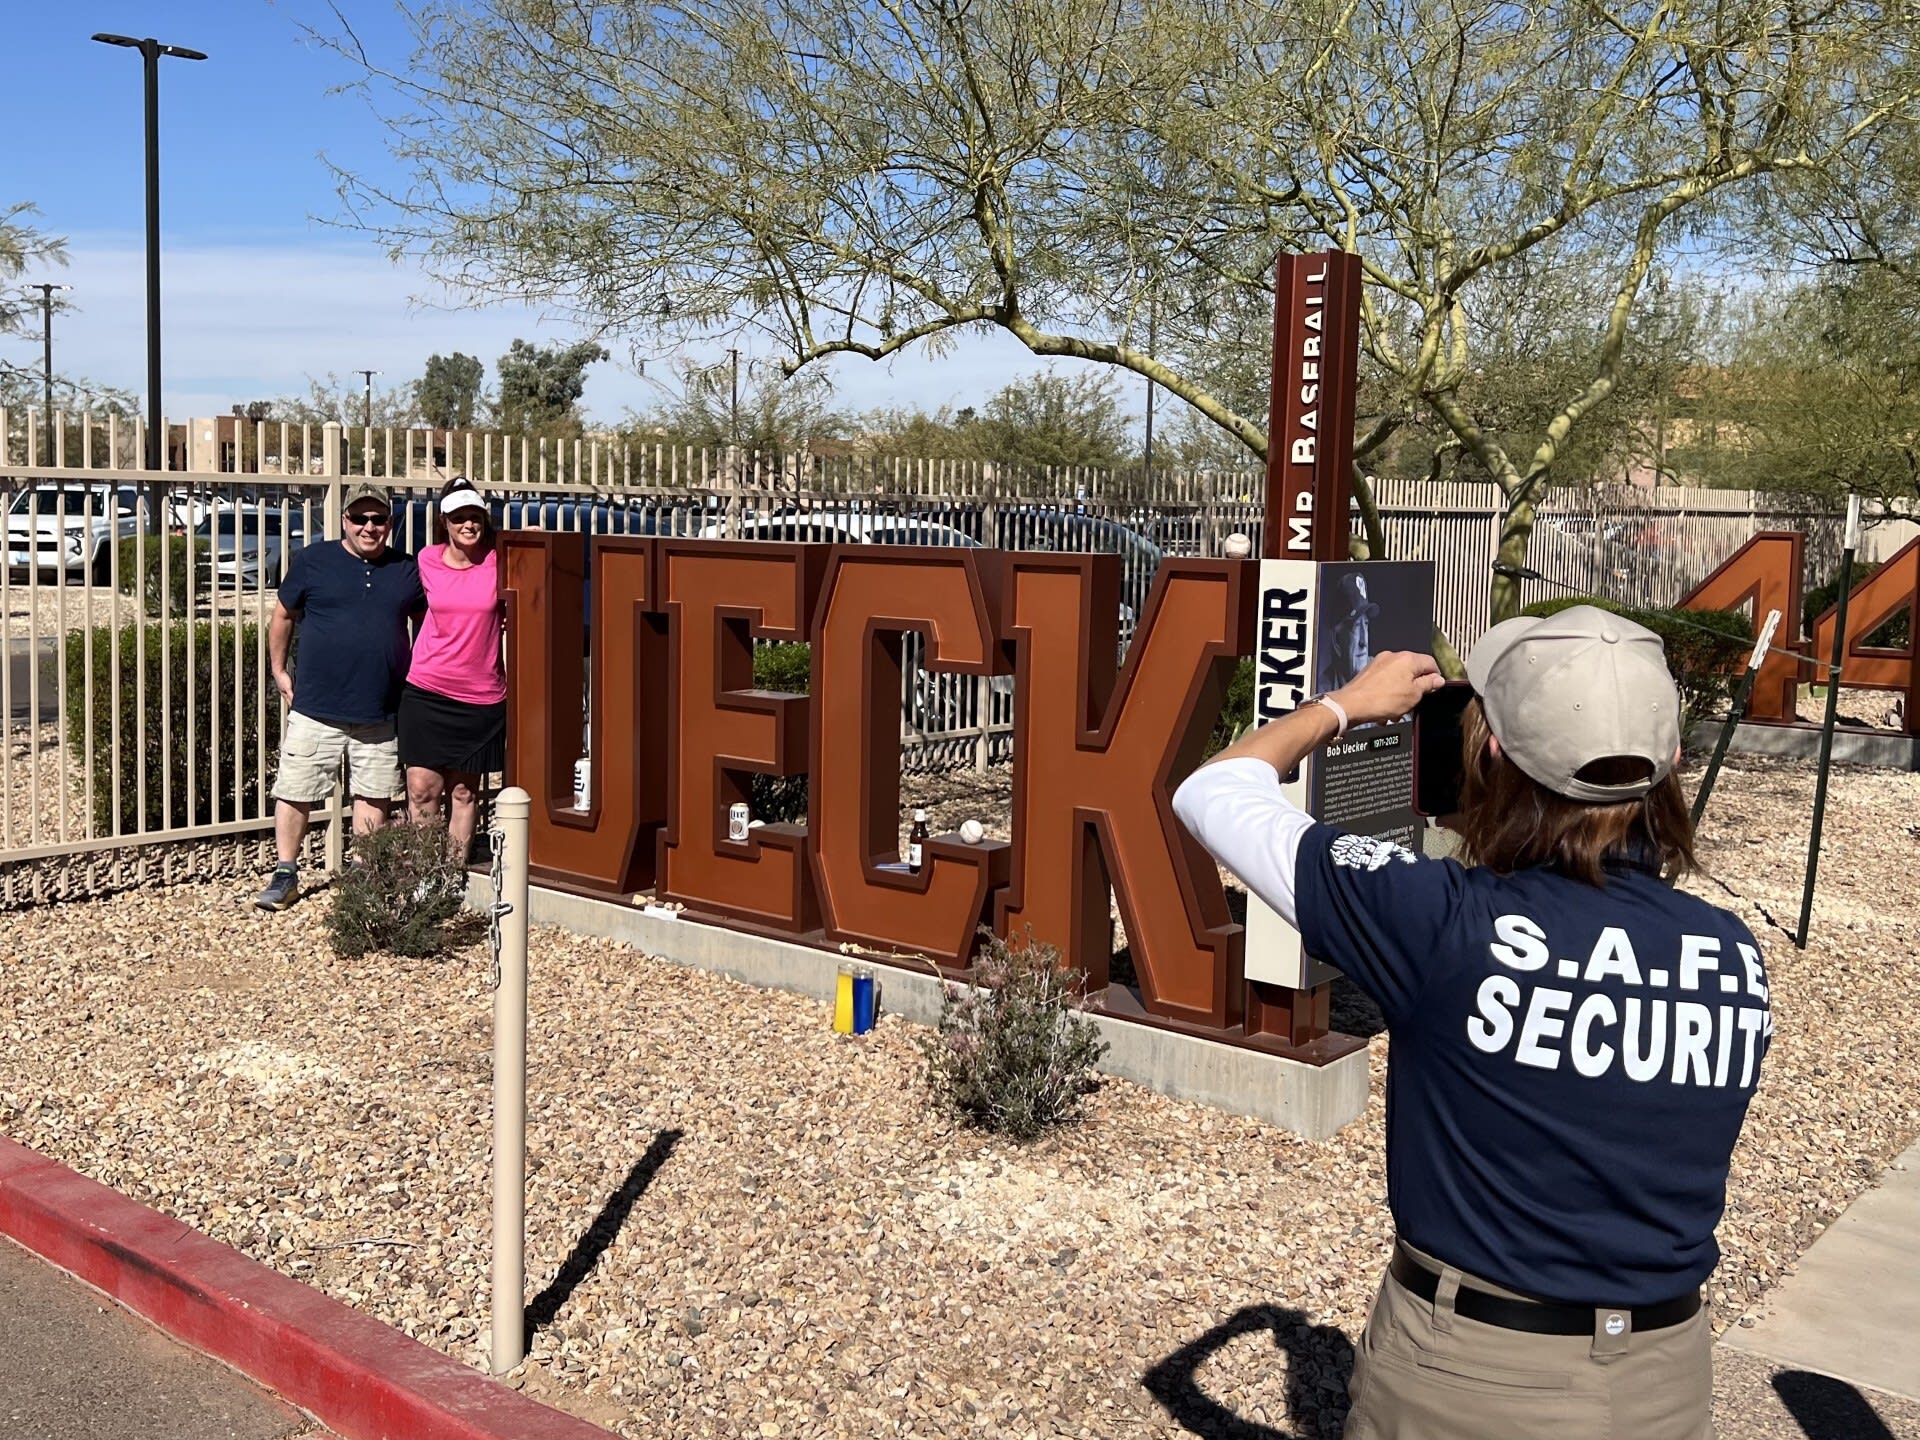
<point>1570,1065</point>
<point>353,642</point>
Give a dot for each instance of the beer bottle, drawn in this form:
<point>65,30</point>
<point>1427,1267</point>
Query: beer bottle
<point>916,841</point>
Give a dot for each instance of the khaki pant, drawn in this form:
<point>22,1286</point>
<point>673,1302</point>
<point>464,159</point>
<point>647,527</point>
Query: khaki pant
<point>1424,1373</point>
<point>311,752</point>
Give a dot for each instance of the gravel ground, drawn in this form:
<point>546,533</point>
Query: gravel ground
<point>740,1223</point>
<point>46,609</point>
<point>1754,1400</point>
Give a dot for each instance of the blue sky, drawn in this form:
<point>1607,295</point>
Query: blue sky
<point>258,292</point>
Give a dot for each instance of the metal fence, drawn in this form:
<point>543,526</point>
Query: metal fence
<point>138,699</point>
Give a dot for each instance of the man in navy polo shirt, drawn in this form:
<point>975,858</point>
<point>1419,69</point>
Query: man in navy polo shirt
<point>351,599</point>
<point>1573,1040</point>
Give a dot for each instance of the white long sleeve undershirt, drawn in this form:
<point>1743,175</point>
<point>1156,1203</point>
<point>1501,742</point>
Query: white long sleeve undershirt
<point>1236,810</point>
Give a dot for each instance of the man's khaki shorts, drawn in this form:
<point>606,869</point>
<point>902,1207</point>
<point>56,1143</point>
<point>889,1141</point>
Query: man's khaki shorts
<point>310,755</point>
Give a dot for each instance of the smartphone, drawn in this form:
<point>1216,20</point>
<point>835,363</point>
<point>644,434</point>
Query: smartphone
<point>1439,769</point>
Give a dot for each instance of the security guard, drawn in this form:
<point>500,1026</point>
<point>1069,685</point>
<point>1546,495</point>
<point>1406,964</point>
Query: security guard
<point>1574,1042</point>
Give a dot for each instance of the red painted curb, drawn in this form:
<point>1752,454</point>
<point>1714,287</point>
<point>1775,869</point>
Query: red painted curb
<point>360,1378</point>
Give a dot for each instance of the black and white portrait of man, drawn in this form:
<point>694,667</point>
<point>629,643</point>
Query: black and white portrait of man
<point>1346,632</point>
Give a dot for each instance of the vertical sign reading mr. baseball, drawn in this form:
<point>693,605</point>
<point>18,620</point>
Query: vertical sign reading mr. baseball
<point>1316,334</point>
<point>1316,318</point>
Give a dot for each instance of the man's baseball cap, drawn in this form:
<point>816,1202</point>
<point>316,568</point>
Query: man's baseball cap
<point>365,490</point>
<point>1562,691</point>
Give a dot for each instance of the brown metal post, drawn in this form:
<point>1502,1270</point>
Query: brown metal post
<point>1316,335</point>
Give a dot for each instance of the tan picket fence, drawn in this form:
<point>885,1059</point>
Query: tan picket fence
<point>138,701</point>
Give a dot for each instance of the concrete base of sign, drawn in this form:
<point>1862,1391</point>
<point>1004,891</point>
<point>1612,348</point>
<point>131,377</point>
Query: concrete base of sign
<point>1882,749</point>
<point>1311,1101</point>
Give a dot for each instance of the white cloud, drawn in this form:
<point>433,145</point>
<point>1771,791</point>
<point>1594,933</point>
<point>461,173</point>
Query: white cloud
<point>246,322</point>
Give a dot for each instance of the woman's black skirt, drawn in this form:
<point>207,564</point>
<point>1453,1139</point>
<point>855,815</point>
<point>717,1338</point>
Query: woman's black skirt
<point>441,734</point>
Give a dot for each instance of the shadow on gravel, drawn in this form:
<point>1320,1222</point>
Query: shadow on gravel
<point>1828,1409</point>
<point>1319,1360</point>
<point>606,1225</point>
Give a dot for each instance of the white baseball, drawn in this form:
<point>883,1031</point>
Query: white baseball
<point>972,831</point>
<point>1239,546</point>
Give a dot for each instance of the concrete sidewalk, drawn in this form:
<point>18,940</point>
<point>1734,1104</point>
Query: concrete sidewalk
<point>79,1367</point>
<point>356,1376</point>
<point>1851,1309</point>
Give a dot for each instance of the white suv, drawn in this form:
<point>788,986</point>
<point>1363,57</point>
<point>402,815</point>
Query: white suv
<point>63,529</point>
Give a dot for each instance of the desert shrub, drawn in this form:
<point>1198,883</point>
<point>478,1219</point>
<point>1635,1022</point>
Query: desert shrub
<point>781,799</point>
<point>1892,635</point>
<point>154,650</point>
<point>1705,648</point>
<point>141,559</point>
<point>398,893</point>
<point>1014,1051</point>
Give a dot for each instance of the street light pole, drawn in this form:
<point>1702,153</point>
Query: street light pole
<point>150,52</point>
<point>735,355</point>
<point>368,375</point>
<point>46,329</point>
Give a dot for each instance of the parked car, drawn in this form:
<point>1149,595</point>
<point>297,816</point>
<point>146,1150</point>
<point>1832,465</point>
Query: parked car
<point>244,545</point>
<point>1032,527</point>
<point>70,528</point>
<point>844,527</point>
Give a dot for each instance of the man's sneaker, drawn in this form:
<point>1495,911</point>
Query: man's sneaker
<point>281,889</point>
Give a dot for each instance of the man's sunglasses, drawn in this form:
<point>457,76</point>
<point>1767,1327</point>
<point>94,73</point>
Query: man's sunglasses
<point>365,522</point>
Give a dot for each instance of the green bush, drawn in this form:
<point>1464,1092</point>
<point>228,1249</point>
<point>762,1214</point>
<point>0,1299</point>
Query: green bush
<point>216,795</point>
<point>398,894</point>
<point>781,799</point>
<point>1236,715</point>
<point>1014,1051</point>
<point>783,667</point>
<point>140,566</point>
<point>1892,635</point>
<point>1705,648</point>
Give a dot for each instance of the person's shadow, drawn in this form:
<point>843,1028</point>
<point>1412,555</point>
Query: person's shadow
<point>1828,1409</point>
<point>1319,1362</point>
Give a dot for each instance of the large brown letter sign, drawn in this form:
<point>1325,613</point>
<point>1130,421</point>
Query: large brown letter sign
<point>871,596</point>
<point>718,594</point>
<point>1765,574</point>
<point>1093,770</point>
<point>608,846</point>
<point>1891,590</point>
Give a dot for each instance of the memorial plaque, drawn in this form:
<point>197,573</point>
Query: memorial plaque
<point>1317,627</point>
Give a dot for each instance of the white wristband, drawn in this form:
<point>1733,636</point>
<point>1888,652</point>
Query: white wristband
<point>1339,715</point>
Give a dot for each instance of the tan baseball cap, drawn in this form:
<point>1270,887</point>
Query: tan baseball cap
<point>365,490</point>
<point>1562,691</point>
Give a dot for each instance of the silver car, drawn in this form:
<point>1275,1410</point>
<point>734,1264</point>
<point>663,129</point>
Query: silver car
<point>239,547</point>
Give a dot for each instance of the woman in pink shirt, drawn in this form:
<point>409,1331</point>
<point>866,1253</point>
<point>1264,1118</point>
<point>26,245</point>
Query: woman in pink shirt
<point>453,711</point>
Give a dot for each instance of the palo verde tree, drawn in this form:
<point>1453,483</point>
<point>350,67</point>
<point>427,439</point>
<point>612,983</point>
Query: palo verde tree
<point>855,178</point>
